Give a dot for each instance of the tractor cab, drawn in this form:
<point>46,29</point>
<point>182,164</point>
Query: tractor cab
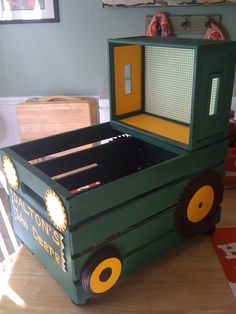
<point>171,92</point>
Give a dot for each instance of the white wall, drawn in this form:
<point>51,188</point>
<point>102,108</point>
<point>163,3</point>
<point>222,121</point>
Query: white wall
<point>9,129</point>
<point>70,57</point>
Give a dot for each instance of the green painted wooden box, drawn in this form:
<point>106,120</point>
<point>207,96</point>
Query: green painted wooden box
<point>152,179</point>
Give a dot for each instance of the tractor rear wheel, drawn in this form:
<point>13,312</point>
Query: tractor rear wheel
<point>198,208</point>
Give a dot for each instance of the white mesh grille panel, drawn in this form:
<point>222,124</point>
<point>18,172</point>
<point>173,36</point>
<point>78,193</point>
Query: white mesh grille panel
<point>214,95</point>
<point>168,82</point>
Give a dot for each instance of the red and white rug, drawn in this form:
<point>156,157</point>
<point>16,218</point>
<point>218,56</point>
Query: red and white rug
<point>224,243</point>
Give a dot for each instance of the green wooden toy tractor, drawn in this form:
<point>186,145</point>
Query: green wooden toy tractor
<point>95,215</point>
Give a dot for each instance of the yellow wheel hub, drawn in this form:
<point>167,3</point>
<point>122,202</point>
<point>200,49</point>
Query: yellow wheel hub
<point>105,275</point>
<point>200,204</point>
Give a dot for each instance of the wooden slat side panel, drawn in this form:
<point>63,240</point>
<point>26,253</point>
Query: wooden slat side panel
<point>61,142</point>
<point>96,154</point>
<point>124,189</point>
<point>122,219</point>
<point>102,173</point>
<point>139,239</point>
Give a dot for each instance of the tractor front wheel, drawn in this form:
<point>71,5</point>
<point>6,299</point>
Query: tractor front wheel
<point>102,271</point>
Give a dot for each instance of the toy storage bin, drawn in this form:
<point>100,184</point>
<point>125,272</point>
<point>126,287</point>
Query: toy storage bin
<point>131,206</point>
<point>89,216</point>
<point>95,215</point>
<point>230,167</point>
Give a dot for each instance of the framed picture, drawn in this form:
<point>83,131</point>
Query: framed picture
<point>161,3</point>
<point>28,11</point>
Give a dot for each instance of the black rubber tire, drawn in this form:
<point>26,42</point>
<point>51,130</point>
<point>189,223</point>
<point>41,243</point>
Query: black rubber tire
<point>93,262</point>
<point>210,231</point>
<point>183,224</point>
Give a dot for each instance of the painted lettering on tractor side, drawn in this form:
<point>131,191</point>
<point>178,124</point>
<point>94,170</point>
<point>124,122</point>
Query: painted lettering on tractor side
<point>47,248</point>
<point>49,239</point>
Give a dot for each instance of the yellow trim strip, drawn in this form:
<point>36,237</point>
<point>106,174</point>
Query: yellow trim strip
<point>168,129</point>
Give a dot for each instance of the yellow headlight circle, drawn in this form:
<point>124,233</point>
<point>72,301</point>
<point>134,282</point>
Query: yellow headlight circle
<point>56,210</point>
<point>10,172</point>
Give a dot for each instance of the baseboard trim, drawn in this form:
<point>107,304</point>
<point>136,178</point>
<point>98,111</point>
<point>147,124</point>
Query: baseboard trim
<point>20,99</point>
<point>13,100</point>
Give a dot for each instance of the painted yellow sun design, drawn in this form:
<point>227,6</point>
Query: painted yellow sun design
<point>56,210</point>
<point>10,172</point>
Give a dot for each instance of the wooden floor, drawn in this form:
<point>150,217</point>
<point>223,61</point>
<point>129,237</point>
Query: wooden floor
<point>189,280</point>
<point>3,230</point>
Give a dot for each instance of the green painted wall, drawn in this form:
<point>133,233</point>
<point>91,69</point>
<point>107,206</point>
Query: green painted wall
<point>70,57</point>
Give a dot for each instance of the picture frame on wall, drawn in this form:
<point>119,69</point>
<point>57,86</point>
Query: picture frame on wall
<point>29,11</point>
<point>161,3</point>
